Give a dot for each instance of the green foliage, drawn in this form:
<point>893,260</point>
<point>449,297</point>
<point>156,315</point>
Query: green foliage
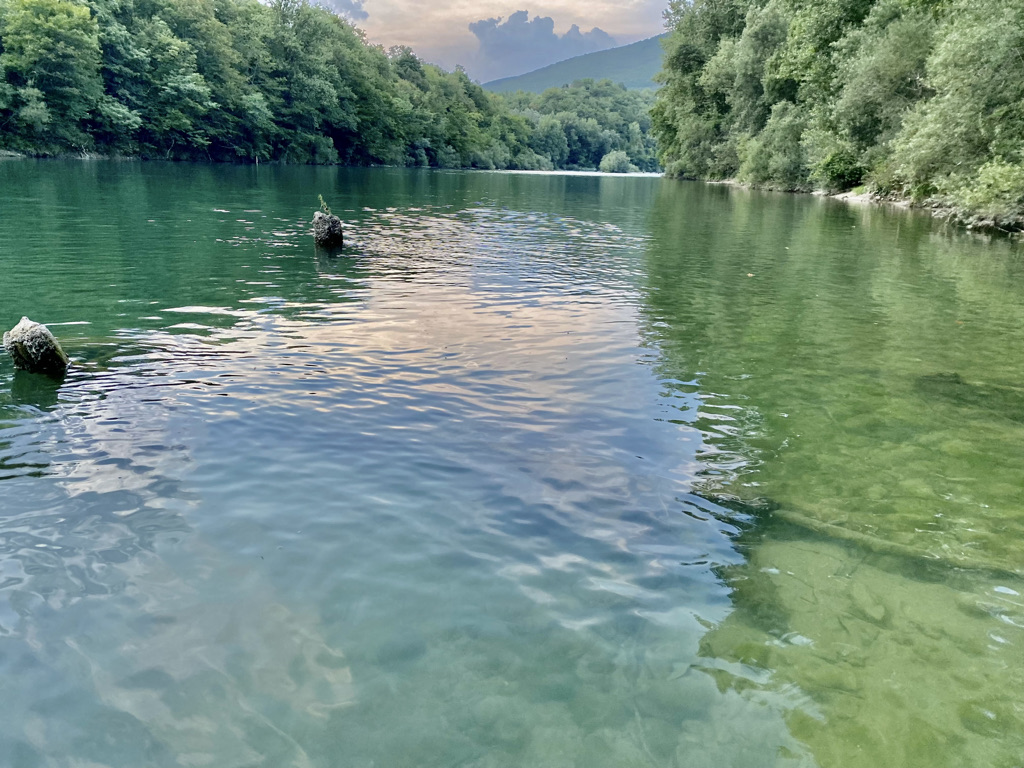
<point>775,156</point>
<point>50,63</point>
<point>839,170</point>
<point>923,98</point>
<point>323,205</point>
<point>976,116</point>
<point>549,139</point>
<point>755,87</point>
<point>996,193</point>
<point>882,74</point>
<point>282,80</point>
<point>617,161</point>
<point>577,125</point>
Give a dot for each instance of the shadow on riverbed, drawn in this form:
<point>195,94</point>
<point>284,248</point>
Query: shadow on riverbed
<point>1000,401</point>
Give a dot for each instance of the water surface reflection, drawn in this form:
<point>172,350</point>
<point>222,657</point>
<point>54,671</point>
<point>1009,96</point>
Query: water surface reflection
<point>425,507</point>
<point>547,471</point>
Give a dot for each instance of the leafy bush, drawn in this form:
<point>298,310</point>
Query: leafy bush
<point>996,193</point>
<point>839,171</point>
<point>776,156</point>
<point>617,161</point>
<point>528,160</point>
<point>975,119</point>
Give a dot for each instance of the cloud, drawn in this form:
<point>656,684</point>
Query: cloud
<point>520,44</point>
<point>351,9</point>
<point>439,30</point>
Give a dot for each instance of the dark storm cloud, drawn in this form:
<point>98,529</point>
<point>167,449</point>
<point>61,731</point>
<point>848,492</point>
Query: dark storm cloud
<point>521,44</point>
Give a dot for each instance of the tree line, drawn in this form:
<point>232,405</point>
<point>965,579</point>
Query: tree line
<point>921,99</point>
<point>285,80</point>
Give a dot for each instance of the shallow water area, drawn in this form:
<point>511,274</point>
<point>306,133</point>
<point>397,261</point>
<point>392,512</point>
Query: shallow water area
<point>543,470</point>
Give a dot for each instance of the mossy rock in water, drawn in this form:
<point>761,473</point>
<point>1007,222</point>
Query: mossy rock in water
<point>34,349</point>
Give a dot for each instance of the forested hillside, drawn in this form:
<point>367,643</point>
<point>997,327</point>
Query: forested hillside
<point>578,124</point>
<point>918,98</point>
<point>634,65</point>
<point>240,80</point>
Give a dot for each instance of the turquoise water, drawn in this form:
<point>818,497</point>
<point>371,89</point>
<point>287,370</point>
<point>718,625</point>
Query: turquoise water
<point>544,471</point>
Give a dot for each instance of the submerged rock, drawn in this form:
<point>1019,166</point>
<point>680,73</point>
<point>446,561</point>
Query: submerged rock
<point>327,230</point>
<point>33,348</point>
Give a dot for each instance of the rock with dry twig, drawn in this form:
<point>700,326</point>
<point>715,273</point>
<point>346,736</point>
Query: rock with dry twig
<point>327,230</point>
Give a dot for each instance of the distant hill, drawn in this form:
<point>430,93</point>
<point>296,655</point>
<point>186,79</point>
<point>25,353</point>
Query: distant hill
<point>633,65</point>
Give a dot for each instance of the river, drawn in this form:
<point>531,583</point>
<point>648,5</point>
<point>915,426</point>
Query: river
<point>543,470</point>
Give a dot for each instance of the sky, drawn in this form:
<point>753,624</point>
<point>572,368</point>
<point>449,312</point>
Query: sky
<point>501,38</point>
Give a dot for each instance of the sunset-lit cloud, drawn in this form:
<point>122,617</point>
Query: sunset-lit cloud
<point>440,32</point>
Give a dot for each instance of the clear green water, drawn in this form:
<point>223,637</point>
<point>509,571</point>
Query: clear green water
<point>549,471</point>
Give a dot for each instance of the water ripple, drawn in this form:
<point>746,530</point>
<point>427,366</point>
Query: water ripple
<point>413,506</point>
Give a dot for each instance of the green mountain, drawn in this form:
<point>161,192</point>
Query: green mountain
<point>633,65</point>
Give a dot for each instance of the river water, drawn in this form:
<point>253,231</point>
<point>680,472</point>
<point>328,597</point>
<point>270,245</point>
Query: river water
<point>542,471</point>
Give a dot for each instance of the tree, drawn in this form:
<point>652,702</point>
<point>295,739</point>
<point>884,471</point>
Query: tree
<point>966,142</point>
<point>922,98</point>
<point>50,63</point>
<point>287,80</point>
<point>549,139</point>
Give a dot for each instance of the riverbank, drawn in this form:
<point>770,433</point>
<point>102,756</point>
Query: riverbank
<point>971,221</point>
<point>11,155</point>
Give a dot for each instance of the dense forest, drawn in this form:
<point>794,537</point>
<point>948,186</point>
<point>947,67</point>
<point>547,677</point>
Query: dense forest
<point>287,80</point>
<point>579,125</point>
<point>919,99</point>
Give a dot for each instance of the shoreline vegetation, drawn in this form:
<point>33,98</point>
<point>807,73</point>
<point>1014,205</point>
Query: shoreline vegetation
<point>284,80</point>
<point>914,100</point>
<point>917,102</point>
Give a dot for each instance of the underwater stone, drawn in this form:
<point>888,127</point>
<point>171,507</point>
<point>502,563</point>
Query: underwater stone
<point>327,230</point>
<point>33,348</point>
<point>867,604</point>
